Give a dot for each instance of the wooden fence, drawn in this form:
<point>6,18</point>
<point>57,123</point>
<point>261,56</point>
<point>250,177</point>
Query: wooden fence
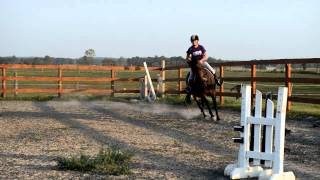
<point>60,79</point>
<point>253,79</point>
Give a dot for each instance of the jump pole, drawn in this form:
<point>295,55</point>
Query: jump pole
<point>153,94</point>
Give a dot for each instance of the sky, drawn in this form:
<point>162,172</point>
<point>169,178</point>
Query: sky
<point>228,29</point>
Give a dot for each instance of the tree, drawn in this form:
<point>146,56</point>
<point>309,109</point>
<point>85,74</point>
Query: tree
<point>36,61</point>
<point>90,53</point>
<point>47,60</point>
<point>122,61</point>
<point>14,60</point>
<point>108,62</point>
<point>88,58</point>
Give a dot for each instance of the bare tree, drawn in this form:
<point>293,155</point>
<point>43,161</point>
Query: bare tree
<point>90,53</point>
<point>88,58</point>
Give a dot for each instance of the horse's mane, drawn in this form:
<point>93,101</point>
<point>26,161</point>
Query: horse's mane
<point>203,76</point>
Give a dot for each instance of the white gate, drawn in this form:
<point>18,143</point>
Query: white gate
<point>274,139</point>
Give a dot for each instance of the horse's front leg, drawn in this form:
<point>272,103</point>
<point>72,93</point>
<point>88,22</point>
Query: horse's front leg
<point>214,102</point>
<point>204,99</point>
<point>199,105</point>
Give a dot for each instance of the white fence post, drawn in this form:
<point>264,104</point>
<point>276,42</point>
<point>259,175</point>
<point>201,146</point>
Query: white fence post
<point>143,87</point>
<point>257,127</point>
<point>269,132</point>
<point>245,113</point>
<point>15,84</point>
<point>159,86</point>
<point>280,130</point>
<point>273,159</point>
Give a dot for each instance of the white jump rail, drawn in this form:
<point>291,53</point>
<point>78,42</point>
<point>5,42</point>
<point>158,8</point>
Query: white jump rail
<point>275,130</point>
<point>149,92</point>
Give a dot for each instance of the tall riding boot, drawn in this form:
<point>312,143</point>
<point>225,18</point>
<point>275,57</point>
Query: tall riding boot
<point>218,82</point>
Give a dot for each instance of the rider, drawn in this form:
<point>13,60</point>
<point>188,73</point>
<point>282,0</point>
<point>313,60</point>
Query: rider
<point>198,53</point>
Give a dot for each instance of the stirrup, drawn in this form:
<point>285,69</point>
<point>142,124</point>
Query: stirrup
<point>219,82</point>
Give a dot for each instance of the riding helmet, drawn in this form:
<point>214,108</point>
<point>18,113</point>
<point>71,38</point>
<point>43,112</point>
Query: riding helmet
<point>194,37</point>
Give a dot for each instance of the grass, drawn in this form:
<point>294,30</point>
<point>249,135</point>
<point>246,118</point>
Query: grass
<point>299,110</point>
<point>29,97</point>
<point>303,111</point>
<point>111,161</point>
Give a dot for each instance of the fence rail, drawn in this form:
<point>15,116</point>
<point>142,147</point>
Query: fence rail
<point>287,79</point>
<point>60,79</point>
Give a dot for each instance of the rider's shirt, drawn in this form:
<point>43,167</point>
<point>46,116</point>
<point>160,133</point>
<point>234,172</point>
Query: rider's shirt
<point>197,53</point>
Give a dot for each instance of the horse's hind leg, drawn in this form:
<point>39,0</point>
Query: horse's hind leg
<point>214,101</point>
<point>199,105</point>
<point>204,99</point>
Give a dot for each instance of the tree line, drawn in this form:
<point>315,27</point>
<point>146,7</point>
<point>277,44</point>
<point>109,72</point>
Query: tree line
<point>91,60</point>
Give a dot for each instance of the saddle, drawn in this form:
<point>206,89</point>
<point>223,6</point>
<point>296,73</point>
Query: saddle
<point>208,77</point>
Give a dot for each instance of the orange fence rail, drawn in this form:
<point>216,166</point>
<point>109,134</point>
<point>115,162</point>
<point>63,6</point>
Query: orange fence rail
<point>253,79</point>
<point>60,79</point>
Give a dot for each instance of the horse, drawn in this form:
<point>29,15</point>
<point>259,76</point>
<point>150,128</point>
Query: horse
<point>203,84</point>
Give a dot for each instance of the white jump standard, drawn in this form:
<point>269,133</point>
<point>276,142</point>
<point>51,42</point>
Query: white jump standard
<point>274,151</point>
<point>146,87</point>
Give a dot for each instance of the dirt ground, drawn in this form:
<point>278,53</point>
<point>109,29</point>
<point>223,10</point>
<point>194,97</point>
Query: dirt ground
<point>168,142</point>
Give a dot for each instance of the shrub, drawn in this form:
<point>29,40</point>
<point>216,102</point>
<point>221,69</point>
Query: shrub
<point>111,161</point>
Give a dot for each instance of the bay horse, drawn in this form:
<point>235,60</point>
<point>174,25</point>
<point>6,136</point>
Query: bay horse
<point>203,84</point>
